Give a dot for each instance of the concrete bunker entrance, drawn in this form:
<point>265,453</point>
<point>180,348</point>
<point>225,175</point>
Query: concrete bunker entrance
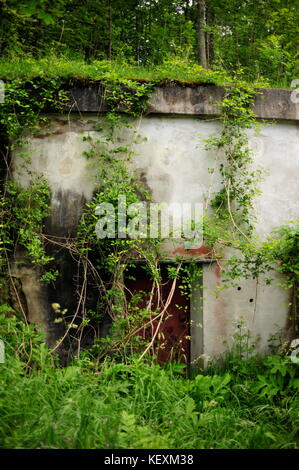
<point>179,336</point>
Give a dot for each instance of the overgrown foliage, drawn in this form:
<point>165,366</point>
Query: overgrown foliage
<point>260,37</point>
<point>104,262</point>
<point>24,207</point>
<point>114,394</point>
<point>250,404</point>
<point>238,177</point>
<point>232,220</point>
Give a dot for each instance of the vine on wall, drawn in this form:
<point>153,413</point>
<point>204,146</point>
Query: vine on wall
<point>232,221</point>
<point>239,180</point>
<point>23,209</point>
<point>104,262</point>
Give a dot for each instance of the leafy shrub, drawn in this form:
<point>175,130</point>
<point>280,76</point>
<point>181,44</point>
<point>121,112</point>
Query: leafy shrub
<point>280,378</point>
<point>138,405</point>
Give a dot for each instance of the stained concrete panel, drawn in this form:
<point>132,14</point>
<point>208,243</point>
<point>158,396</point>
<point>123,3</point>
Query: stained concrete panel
<point>173,164</point>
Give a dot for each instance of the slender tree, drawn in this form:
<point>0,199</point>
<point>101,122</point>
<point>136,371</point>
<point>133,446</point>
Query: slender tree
<point>110,30</point>
<point>201,34</point>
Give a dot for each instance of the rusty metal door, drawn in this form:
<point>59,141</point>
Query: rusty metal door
<point>172,342</point>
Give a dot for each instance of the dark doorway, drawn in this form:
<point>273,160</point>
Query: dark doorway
<point>172,342</point>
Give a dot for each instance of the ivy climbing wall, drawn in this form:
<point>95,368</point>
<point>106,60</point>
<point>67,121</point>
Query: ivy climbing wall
<point>172,163</point>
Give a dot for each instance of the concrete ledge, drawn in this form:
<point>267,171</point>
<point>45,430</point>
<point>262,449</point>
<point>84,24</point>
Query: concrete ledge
<point>199,100</point>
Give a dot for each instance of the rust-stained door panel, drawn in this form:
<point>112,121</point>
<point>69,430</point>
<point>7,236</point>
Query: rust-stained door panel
<point>172,341</point>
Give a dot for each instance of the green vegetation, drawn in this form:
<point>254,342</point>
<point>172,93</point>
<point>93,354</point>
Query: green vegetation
<point>176,69</point>
<point>259,37</point>
<point>249,404</point>
<point>234,202</point>
<point>115,394</point>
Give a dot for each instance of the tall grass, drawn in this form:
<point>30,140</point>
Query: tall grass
<point>135,405</point>
<point>63,68</point>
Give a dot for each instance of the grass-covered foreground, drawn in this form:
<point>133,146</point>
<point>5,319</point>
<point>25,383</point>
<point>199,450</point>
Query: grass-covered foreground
<point>249,404</point>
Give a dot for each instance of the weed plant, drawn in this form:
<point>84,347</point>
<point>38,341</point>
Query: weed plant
<point>249,404</point>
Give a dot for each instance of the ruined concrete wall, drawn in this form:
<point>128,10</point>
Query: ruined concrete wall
<point>174,166</point>
<point>196,100</point>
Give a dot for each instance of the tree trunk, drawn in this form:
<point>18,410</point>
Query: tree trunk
<point>201,35</point>
<point>210,19</point>
<point>110,32</point>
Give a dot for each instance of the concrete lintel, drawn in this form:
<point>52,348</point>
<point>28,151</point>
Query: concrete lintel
<point>196,100</point>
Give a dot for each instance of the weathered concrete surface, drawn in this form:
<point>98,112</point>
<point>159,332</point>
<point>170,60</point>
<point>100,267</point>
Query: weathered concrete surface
<point>173,164</point>
<point>58,157</point>
<point>31,296</point>
<point>251,305</point>
<point>197,100</point>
